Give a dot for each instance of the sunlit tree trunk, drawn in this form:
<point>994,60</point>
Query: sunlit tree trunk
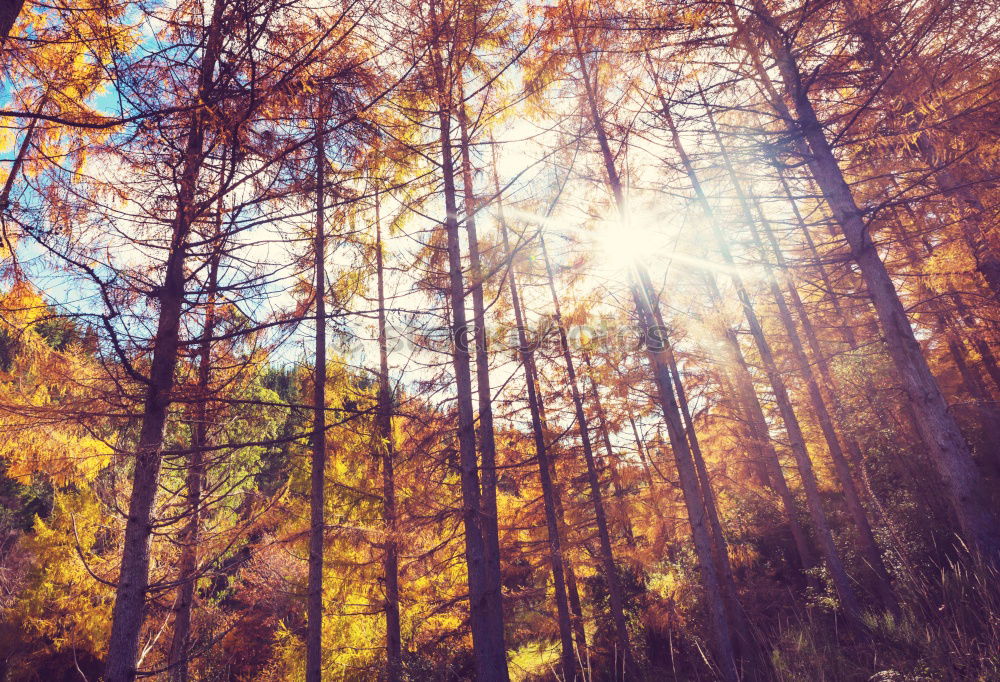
<point>317,476</point>
<point>386,445</point>
<point>615,593</point>
<point>757,422</point>
<point>962,482</point>
<point>688,476</point>
<point>487,442</point>
<point>572,588</point>
<point>793,429</point>
<point>487,632</point>
<point>719,543</point>
<point>133,578</point>
<point>825,415</point>
<point>556,562</point>
<point>682,454</point>
<point>869,547</point>
<point>180,646</point>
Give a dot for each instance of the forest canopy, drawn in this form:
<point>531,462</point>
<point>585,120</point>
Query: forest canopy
<point>498,340</point>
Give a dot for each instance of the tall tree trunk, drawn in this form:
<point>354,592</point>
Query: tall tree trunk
<point>317,477</point>
<point>180,647</point>
<point>390,560</point>
<point>9,9</point>
<point>569,666</point>
<point>793,429</point>
<point>842,464</point>
<point>133,578</point>
<point>572,588</point>
<point>950,178</point>
<point>756,420</point>
<point>487,442</point>
<point>610,570</point>
<point>487,635</point>
<point>740,372</point>
<point>687,473</point>
<point>682,453</point>
<point>962,482</point>
<point>866,538</point>
<point>719,543</point>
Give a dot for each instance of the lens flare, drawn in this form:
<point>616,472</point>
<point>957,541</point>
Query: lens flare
<point>622,244</point>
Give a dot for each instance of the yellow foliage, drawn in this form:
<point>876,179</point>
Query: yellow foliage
<point>59,603</point>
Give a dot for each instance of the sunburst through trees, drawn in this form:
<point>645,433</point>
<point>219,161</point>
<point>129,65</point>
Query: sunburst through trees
<point>494,340</point>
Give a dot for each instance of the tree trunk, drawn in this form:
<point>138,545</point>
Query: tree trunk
<point>572,588</point>
<point>687,473</point>
<point>9,10</point>
<point>487,636</point>
<point>317,477</point>
<point>756,420</point>
<point>793,429</point>
<point>962,482</point>
<point>386,445</point>
<point>569,666</point>
<point>180,647</point>
<point>682,453</point>
<point>487,442</point>
<point>133,579</point>
<point>719,543</point>
<point>610,570</point>
<point>869,547</point>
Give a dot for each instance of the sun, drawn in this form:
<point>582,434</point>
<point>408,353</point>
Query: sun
<point>619,244</point>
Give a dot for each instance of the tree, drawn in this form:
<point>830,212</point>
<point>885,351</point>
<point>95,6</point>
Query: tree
<point>8,15</point>
<point>948,448</point>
